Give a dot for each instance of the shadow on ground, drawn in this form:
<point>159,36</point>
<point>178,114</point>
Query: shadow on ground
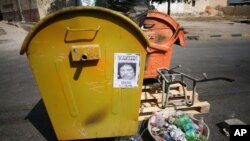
<point>40,120</point>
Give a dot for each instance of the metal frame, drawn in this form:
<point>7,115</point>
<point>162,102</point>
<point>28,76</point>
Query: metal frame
<point>168,77</point>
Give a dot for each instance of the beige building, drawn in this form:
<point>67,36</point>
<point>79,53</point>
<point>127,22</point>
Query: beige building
<point>34,10</point>
<point>190,6</point>
<point>215,3</point>
<point>18,10</point>
<point>30,10</point>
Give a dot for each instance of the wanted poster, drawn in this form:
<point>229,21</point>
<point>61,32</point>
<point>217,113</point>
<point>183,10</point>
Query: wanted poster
<point>126,70</point>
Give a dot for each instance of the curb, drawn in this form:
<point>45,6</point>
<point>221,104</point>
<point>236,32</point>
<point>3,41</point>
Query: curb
<point>216,36</point>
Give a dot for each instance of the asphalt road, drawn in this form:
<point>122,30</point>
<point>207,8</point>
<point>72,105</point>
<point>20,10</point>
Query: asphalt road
<point>22,112</point>
<point>227,58</point>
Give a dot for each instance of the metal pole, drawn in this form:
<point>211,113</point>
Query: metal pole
<point>168,7</point>
<point>20,10</point>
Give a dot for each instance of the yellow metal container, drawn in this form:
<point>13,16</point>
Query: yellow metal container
<point>75,56</point>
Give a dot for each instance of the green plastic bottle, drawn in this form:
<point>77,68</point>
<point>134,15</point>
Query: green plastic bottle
<point>187,126</point>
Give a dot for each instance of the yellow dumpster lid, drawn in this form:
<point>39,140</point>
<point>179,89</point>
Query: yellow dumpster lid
<point>98,10</point>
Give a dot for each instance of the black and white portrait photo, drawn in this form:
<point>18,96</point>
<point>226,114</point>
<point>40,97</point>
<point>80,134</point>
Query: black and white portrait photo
<point>126,70</point>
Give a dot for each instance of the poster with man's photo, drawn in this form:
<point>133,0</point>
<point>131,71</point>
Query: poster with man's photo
<point>126,70</point>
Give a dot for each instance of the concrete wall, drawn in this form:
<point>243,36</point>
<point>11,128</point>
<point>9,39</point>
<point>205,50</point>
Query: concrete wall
<point>183,8</point>
<point>214,3</point>
<point>31,15</point>
<point>243,10</point>
<point>10,11</point>
<point>8,5</point>
<point>28,4</point>
<point>200,5</point>
<point>43,6</point>
<point>30,10</point>
<point>175,7</point>
<point>192,7</point>
<point>34,10</point>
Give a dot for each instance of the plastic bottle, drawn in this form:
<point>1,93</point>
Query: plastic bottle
<point>178,113</point>
<point>202,138</point>
<point>159,122</point>
<point>172,127</point>
<point>201,126</point>
<point>133,139</point>
<point>155,130</point>
<point>158,138</point>
<point>191,135</point>
<point>153,119</point>
<point>178,135</point>
<point>183,119</point>
<point>167,137</point>
<point>187,126</point>
<point>171,119</point>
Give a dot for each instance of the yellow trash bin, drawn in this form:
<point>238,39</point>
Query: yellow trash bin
<point>89,65</point>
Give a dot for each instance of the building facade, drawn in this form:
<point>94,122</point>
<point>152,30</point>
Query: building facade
<point>19,10</point>
<point>34,10</point>
<point>9,10</point>
<point>189,6</point>
<point>31,10</point>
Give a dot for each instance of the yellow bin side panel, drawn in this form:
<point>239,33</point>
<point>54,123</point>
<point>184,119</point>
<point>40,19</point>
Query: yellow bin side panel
<point>79,96</point>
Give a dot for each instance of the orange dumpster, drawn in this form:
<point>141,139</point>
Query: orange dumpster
<point>162,32</point>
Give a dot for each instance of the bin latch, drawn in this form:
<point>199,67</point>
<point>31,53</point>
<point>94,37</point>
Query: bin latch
<point>85,52</point>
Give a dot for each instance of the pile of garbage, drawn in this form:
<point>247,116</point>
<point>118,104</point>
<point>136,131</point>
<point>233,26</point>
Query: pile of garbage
<point>134,9</point>
<point>177,127</point>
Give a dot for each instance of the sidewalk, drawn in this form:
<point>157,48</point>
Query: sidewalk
<point>207,29</point>
<point>215,29</point>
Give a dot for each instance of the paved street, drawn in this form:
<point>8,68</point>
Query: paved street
<point>215,29</point>
<point>228,58</point>
<point>23,116</point>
